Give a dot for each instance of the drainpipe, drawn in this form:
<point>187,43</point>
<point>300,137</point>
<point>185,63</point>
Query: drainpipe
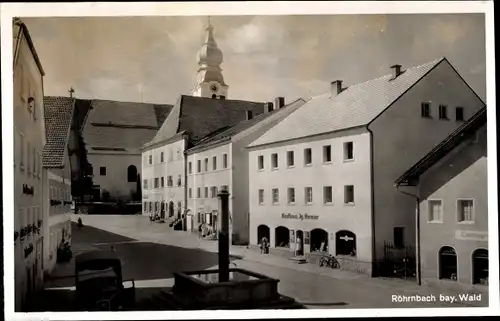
<point>372,202</point>
<point>417,232</point>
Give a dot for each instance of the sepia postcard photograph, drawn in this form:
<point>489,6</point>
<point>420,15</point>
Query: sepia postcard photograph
<point>292,159</point>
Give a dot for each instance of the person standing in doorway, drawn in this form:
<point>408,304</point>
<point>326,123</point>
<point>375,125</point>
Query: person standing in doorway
<point>298,246</point>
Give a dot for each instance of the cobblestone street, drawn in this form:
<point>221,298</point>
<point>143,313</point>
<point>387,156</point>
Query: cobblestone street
<point>151,252</point>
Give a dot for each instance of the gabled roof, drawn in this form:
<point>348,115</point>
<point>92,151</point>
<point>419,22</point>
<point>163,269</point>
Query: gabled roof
<point>199,116</point>
<point>228,133</point>
<point>355,106</point>
<point>58,114</point>
<point>466,130</point>
<point>122,126</point>
<point>24,29</point>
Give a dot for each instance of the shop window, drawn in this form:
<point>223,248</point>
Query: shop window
<point>282,237</point>
<point>319,240</point>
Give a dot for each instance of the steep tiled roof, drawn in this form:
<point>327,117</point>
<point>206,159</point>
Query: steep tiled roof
<point>466,130</point>
<point>228,133</point>
<point>200,116</point>
<point>122,126</point>
<point>58,113</point>
<point>356,106</point>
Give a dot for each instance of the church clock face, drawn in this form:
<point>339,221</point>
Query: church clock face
<point>214,88</point>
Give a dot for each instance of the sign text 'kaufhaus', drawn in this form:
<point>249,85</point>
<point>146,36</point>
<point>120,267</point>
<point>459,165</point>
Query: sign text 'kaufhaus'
<point>299,216</point>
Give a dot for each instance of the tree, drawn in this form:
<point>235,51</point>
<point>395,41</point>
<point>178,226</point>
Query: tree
<point>82,184</point>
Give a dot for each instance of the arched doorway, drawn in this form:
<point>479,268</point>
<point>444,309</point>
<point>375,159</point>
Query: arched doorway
<point>480,266</point>
<point>300,242</point>
<point>263,231</point>
<point>282,237</point>
<point>448,263</point>
<point>345,243</point>
<point>171,209</point>
<point>319,240</point>
<point>132,174</point>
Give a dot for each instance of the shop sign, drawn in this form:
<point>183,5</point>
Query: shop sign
<point>299,216</point>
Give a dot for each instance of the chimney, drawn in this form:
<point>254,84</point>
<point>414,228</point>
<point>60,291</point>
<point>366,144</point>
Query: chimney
<point>279,102</point>
<point>248,114</point>
<point>335,87</point>
<point>396,71</point>
<point>268,107</point>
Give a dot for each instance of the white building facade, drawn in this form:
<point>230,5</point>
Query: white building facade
<point>357,140</point>
<point>163,168</point>
<point>29,139</point>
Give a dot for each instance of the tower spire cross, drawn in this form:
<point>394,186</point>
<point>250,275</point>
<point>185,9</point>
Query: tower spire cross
<point>71,92</point>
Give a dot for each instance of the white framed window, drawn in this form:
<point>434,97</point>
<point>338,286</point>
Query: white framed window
<point>465,210</point>
<point>261,196</point>
<point>214,163</point>
<point>198,192</point>
<point>206,192</point>
<point>348,151</point>
<point>206,165</point>
<point>327,195</point>
<point>157,182</point>
<point>145,184</point>
<point>290,159</point>
<point>224,161</point>
<point>190,193</point>
<point>435,211</point>
<point>260,162</point>
<point>327,154</point>
<point>162,157</point>
<point>274,161</point>
<point>190,168</point>
<point>198,166</point>
<point>291,195</point>
<point>275,195</point>
<point>349,194</point>
<point>307,156</point>
<point>308,195</point>
<point>150,159</point>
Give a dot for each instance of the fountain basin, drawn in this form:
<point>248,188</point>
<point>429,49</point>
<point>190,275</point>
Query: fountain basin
<point>202,288</point>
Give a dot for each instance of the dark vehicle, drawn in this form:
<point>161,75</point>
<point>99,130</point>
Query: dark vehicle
<point>99,284</point>
<point>329,261</point>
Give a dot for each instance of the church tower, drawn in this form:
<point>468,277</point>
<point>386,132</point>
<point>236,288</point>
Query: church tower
<point>210,82</point>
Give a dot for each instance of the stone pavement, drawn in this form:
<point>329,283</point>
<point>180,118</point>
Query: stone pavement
<point>139,228</point>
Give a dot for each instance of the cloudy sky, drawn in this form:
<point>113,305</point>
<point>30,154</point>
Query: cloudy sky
<point>153,59</point>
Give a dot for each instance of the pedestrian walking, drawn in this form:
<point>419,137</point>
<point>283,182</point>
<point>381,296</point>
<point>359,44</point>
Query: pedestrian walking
<point>264,246</point>
<point>200,231</point>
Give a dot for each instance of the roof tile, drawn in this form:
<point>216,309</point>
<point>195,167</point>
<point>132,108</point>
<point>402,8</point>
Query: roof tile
<point>356,106</point>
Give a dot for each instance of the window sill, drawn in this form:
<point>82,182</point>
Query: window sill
<point>274,168</point>
<point>308,165</point>
<point>274,204</point>
<point>291,203</point>
<point>261,204</point>
<point>349,160</point>
<point>327,163</point>
<point>349,204</point>
<point>435,222</point>
<point>309,204</point>
<point>466,223</point>
<point>443,118</point>
<point>290,166</point>
<point>260,170</point>
<point>328,203</point>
